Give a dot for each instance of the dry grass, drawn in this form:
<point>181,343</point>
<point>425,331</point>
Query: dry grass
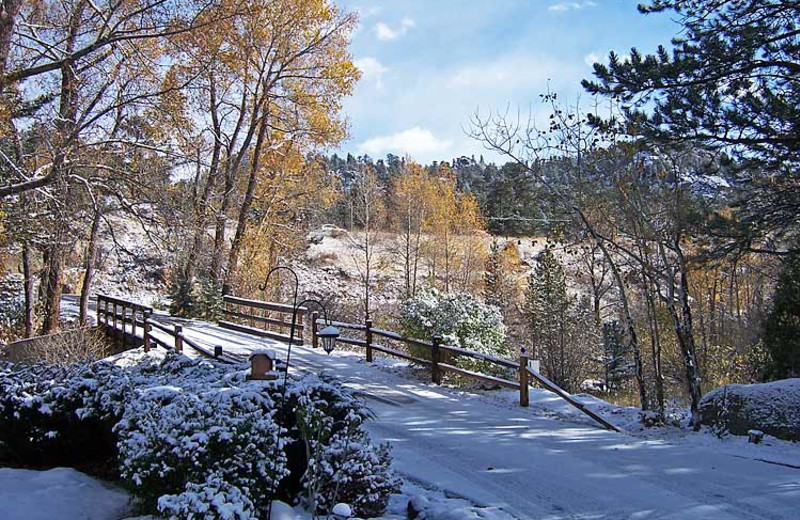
<point>63,348</point>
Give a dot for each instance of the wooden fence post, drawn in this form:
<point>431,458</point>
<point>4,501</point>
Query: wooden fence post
<point>124,330</point>
<point>114,317</point>
<point>97,309</point>
<point>314,339</point>
<point>435,359</point>
<point>368,337</point>
<point>301,316</point>
<point>146,333</point>
<point>133,325</point>
<point>178,338</point>
<point>524,394</point>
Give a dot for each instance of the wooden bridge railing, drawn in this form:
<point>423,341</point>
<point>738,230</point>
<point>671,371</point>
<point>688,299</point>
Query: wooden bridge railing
<point>260,318</point>
<point>438,363</point>
<point>115,314</point>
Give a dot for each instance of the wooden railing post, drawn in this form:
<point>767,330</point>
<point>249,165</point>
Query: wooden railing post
<point>178,338</point>
<point>314,338</point>
<point>133,325</point>
<point>301,316</point>
<point>146,333</point>
<point>124,326</point>
<point>436,354</point>
<point>368,338</point>
<point>114,312</point>
<point>524,394</point>
<point>97,309</point>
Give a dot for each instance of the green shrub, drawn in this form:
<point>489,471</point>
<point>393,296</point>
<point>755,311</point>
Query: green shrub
<point>462,321</point>
<point>194,439</point>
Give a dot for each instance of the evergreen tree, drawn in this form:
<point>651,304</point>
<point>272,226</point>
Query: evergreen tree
<point>511,203</point>
<point>562,328</point>
<point>500,279</point>
<point>492,275</point>
<point>616,365</point>
<point>732,81</point>
<point>547,305</point>
<point>782,327</point>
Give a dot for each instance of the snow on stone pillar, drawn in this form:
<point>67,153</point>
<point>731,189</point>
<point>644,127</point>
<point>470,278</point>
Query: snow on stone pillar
<point>341,512</point>
<point>262,364</point>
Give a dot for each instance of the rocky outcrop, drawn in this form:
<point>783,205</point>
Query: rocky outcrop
<point>773,408</point>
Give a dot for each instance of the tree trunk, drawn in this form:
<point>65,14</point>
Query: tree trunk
<point>201,205</point>
<point>686,335</point>
<point>88,272</point>
<point>219,231</point>
<point>68,109</point>
<point>8,18</point>
<point>655,343</point>
<point>28,288</point>
<point>244,209</point>
<point>633,339</point>
<point>53,287</point>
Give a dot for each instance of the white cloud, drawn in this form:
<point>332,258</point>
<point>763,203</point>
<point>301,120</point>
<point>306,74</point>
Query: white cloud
<point>415,141</point>
<point>571,6</point>
<point>591,58</point>
<point>372,69</point>
<point>369,11</point>
<point>512,72</point>
<point>385,33</point>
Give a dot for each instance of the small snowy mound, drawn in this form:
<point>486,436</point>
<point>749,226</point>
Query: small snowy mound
<point>282,511</point>
<point>342,511</point>
<point>773,408</point>
<point>58,493</point>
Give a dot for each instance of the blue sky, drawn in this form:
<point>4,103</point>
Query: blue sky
<point>430,64</point>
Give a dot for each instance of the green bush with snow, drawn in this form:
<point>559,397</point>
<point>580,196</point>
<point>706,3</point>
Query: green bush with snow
<point>461,320</point>
<point>194,439</point>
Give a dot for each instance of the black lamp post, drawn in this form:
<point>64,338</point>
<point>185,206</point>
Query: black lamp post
<point>329,334</point>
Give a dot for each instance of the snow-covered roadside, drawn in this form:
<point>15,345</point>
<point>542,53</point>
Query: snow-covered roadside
<point>64,493</point>
<point>545,404</point>
<point>58,493</point>
<point>547,461</point>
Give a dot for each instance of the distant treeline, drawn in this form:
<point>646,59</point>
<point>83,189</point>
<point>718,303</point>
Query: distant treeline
<point>511,200</point>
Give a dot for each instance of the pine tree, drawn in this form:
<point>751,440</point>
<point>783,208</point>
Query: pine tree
<point>503,266</point>
<point>616,365</point>
<point>547,305</point>
<point>562,327</point>
<point>492,290</point>
<point>782,328</point>
<point>732,81</point>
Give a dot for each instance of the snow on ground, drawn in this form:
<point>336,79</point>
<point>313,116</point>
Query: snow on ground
<point>60,493</point>
<point>64,493</point>
<point>549,461</point>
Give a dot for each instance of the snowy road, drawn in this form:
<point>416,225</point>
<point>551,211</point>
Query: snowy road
<point>540,468</point>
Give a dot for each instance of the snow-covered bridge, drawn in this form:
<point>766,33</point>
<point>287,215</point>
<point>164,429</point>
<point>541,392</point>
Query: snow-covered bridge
<point>546,461</point>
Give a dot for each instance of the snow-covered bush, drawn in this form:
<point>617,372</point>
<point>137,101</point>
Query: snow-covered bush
<point>171,437</point>
<point>60,415</point>
<point>214,499</point>
<point>353,470</point>
<point>461,319</point>
<point>342,463</point>
<point>194,439</point>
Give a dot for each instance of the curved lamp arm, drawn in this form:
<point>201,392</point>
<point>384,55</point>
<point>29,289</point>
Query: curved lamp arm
<point>263,287</point>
